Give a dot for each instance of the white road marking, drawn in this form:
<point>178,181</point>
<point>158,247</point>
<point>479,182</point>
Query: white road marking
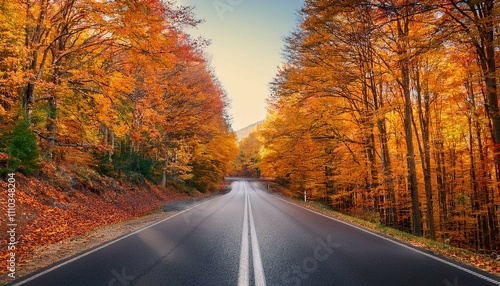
<point>243,275</point>
<point>400,244</point>
<point>258,269</point>
<point>105,245</point>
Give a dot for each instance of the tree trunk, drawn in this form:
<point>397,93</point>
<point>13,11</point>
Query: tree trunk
<point>482,34</point>
<point>390,218</point>
<point>164,178</point>
<point>29,99</point>
<point>390,213</point>
<point>52,125</point>
<point>412,173</point>
<point>33,40</point>
<point>423,104</point>
<point>407,122</point>
<point>112,148</point>
<point>441,181</point>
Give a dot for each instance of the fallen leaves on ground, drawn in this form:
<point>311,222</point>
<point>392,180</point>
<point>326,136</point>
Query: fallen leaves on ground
<point>46,214</point>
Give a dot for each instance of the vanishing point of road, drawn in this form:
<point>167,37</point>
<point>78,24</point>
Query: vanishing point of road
<point>250,236</point>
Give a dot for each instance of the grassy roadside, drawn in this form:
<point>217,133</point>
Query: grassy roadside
<point>481,261</point>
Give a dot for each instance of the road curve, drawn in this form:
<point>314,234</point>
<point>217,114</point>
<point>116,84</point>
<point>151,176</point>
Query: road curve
<point>251,237</point>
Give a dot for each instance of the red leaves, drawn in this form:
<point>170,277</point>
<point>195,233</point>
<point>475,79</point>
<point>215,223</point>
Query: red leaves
<point>46,215</point>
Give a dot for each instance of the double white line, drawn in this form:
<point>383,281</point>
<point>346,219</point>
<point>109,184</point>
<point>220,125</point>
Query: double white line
<point>258,270</point>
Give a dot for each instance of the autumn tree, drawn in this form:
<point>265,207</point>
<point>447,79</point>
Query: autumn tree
<point>121,81</point>
<point>476,21</point>
<point>11,60</point>
<point>247,162</point>
<point>386,100</point>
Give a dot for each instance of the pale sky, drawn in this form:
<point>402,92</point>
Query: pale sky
<point>247,43</point>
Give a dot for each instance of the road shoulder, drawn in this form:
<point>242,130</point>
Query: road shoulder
<point>48,255</point>
<point>482,262</point>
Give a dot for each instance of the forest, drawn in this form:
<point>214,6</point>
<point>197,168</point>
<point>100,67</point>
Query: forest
<point>115,86</point>
<point>388,111</point>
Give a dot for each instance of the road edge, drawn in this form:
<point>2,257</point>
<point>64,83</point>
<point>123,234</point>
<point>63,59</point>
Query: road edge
<point>441,257</point>
<point>64,261</point>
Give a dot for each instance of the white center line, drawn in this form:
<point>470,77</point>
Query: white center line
<point>243,276</point>
<point>258,269</point>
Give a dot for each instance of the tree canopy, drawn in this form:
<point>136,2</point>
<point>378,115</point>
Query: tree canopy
<point>116,80</point>
<point>389,109</point>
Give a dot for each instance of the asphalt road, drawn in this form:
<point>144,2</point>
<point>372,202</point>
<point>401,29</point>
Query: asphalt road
<point>251,237</point>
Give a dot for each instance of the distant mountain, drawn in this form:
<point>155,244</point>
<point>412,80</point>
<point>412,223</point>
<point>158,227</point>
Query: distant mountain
<point>244,132</point>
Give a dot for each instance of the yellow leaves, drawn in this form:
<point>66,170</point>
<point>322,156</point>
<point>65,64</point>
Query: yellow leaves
<point>11,63</point>
<point>121,129</point>
<point>177,160</point>
<point>360,83</point>
<point>120,83</point>
<point>108,73</point>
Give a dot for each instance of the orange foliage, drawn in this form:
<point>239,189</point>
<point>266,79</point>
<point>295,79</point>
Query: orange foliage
<point>386,110</point>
